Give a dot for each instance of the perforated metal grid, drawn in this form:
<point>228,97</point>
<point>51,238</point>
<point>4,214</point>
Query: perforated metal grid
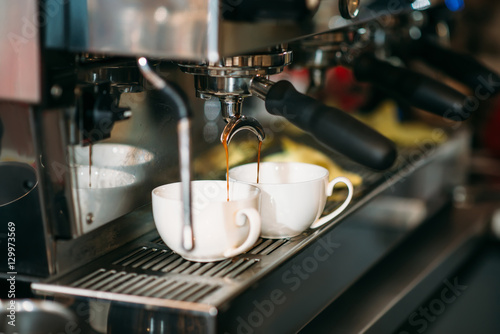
<point>162,259</point>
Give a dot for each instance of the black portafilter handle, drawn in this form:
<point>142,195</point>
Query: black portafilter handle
<point>414,88</point>
<point>460,66</point>
<point>331,126</point>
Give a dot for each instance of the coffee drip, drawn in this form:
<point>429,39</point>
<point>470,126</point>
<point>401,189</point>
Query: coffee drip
<point>258,160</point>
<point>90,165</point>
<point>226,148</point>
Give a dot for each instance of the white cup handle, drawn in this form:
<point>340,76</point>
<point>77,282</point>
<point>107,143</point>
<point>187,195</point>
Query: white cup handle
<point>254,233</point>
<point>329,191</point>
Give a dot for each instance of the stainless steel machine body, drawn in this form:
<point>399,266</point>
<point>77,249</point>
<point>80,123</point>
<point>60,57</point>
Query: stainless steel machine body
<point>64,98</point>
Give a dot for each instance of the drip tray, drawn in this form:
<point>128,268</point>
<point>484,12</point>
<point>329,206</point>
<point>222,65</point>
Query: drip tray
<point>154,271</point>
<point>147,275</point>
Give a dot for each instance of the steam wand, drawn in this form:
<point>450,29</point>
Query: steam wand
<point>183,133</point>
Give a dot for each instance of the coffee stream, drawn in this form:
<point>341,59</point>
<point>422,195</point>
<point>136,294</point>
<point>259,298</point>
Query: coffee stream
<point>224,143</point>
<point>258,161</point>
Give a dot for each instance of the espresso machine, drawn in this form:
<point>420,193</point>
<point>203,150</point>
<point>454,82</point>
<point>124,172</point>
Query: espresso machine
<point>103,100</point>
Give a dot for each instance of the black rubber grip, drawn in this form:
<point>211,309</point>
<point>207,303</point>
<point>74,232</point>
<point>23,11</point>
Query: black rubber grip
<point>331,126</point>
<point>461,67</point>
<point>414,88</point>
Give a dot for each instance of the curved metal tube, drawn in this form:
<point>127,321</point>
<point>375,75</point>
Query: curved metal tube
<point>183,133</point>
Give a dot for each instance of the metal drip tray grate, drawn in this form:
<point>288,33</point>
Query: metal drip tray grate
<point>164,260</point>
<point>150,269</point>
<point>143,285</point>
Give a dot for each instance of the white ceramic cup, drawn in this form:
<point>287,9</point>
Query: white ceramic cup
<point>125,158</point>
<point>293,195</point>
<point>221,228</point>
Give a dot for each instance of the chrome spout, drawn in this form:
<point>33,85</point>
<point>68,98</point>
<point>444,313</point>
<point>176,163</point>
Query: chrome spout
<point>236,122</point>
<point>231,107</point>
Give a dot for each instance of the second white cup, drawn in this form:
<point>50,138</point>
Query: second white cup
<point>293,195</point>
